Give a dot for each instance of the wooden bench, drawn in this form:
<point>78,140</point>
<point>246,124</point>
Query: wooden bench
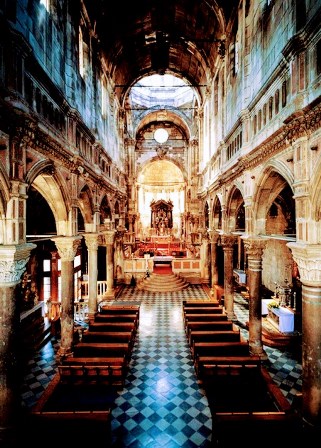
<point>74,428</point>
<point>197,303</point>
<point>211,326</point>
<point>95,360</point>
<point>201,349</point>
<point>213,336</point>
<point>105,349</point>
<point>203,309</point>
<point>110,317</point>
<point>108,336</point>
<point>119,308</point>
<point>113,326</point>
<point>112,374</point>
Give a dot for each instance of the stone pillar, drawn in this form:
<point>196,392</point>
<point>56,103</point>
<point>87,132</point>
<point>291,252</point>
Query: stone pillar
<point>308,259</point>
<point>13,260</point>
<point>67,248</point>
<point>228,241</point>
<point>92,247</point>
<point>109,236</point>
<point>205,261</point>
<point>254,250</point>
<point>214,271</point>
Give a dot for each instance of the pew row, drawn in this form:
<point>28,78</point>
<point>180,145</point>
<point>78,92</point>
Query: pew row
<point>110,374</point>
<point>75,414</point>
<point>105,349</point>
<point>209,326</point>
<point>249,402</point>
<point>212,336</point>
<point>109,336</point>
<point>238,348</point>
<point>200,302</point>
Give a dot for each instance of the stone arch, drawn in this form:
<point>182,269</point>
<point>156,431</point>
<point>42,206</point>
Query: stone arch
<point>272,187</point>
<point>105,209</point>
<point>217,213</point>
<point>235,212</point>
<point>52,187</point>
<point>86,207</point>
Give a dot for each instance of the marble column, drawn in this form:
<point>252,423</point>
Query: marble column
<point>67,249</point>
<point>227,242</point>
<point>214,237</point>
<point>254,249</point>
<point>205,261</point>
<point>92,247</point>
<point>108,237</point>
<point>308,259</point>
<point>13,260</point>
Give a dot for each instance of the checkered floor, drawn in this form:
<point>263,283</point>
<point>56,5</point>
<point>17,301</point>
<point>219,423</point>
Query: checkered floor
<point>162,404</point>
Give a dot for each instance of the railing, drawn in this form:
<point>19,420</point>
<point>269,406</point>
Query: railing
<point>80,310</point>
<point>100,291</point>
<point>80,306</point>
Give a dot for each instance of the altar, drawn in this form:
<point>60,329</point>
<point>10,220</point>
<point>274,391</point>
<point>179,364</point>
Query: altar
<point>282,318</point>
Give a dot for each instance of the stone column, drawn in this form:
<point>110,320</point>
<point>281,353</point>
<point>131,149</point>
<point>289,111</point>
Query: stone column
<point>254,250</point>
<point>13,260</point>
<point>108,237</point>
<point>228,241</point>
<point>67,248</point>
<point>214,237</point>
<point>204,255</point>
<point>308,259</point>
<point>92,247</point>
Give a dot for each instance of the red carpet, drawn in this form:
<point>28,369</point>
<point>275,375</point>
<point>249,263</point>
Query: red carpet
<point>163,269</point>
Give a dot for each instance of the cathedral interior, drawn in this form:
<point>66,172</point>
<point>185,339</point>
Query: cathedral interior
<point>156,153</point>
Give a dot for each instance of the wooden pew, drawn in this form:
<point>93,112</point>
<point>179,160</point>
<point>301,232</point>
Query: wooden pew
<point>105,349</point>
<point>94,360</point>
<point>119,308</point>
<point>112,374</point>
<point>209,366</point>
<point>203,309</point>
<point>76,414</point>
<point>239,348</point>
<point>211,326</point>
<point>197,303</point>
<point>74,428</point>
<point>108,336</point>
<point>111,317</point>
<point>213,336</point>
<point>113,326</point>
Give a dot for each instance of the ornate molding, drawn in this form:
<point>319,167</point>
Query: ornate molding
<point>91,240</point>
<point>227,241</point>
<point>13,261</point>
<point>107,238</point>
<point>254,247</point>
<point>308,259</point>
<point>67,246</point>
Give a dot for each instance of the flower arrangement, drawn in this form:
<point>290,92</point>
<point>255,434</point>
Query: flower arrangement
<point>273,304</point>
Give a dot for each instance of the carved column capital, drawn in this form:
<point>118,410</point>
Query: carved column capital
<point>213,236</point>
<point>107,237</point>
<point>67,246</point>
<point>227,241</point>
<point>308,259</point>
<point>91,240</point>
<point>254,247</point>
<point>13,260</point>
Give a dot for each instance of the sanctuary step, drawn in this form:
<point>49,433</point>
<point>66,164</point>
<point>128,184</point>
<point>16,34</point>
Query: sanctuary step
<point>163,283</point>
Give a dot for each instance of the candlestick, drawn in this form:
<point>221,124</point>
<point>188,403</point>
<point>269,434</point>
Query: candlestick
<point>294,300</point>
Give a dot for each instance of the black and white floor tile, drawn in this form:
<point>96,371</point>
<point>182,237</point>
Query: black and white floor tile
<point>162,404</point>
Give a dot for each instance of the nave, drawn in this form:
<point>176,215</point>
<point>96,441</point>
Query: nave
<point>162,403</point>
